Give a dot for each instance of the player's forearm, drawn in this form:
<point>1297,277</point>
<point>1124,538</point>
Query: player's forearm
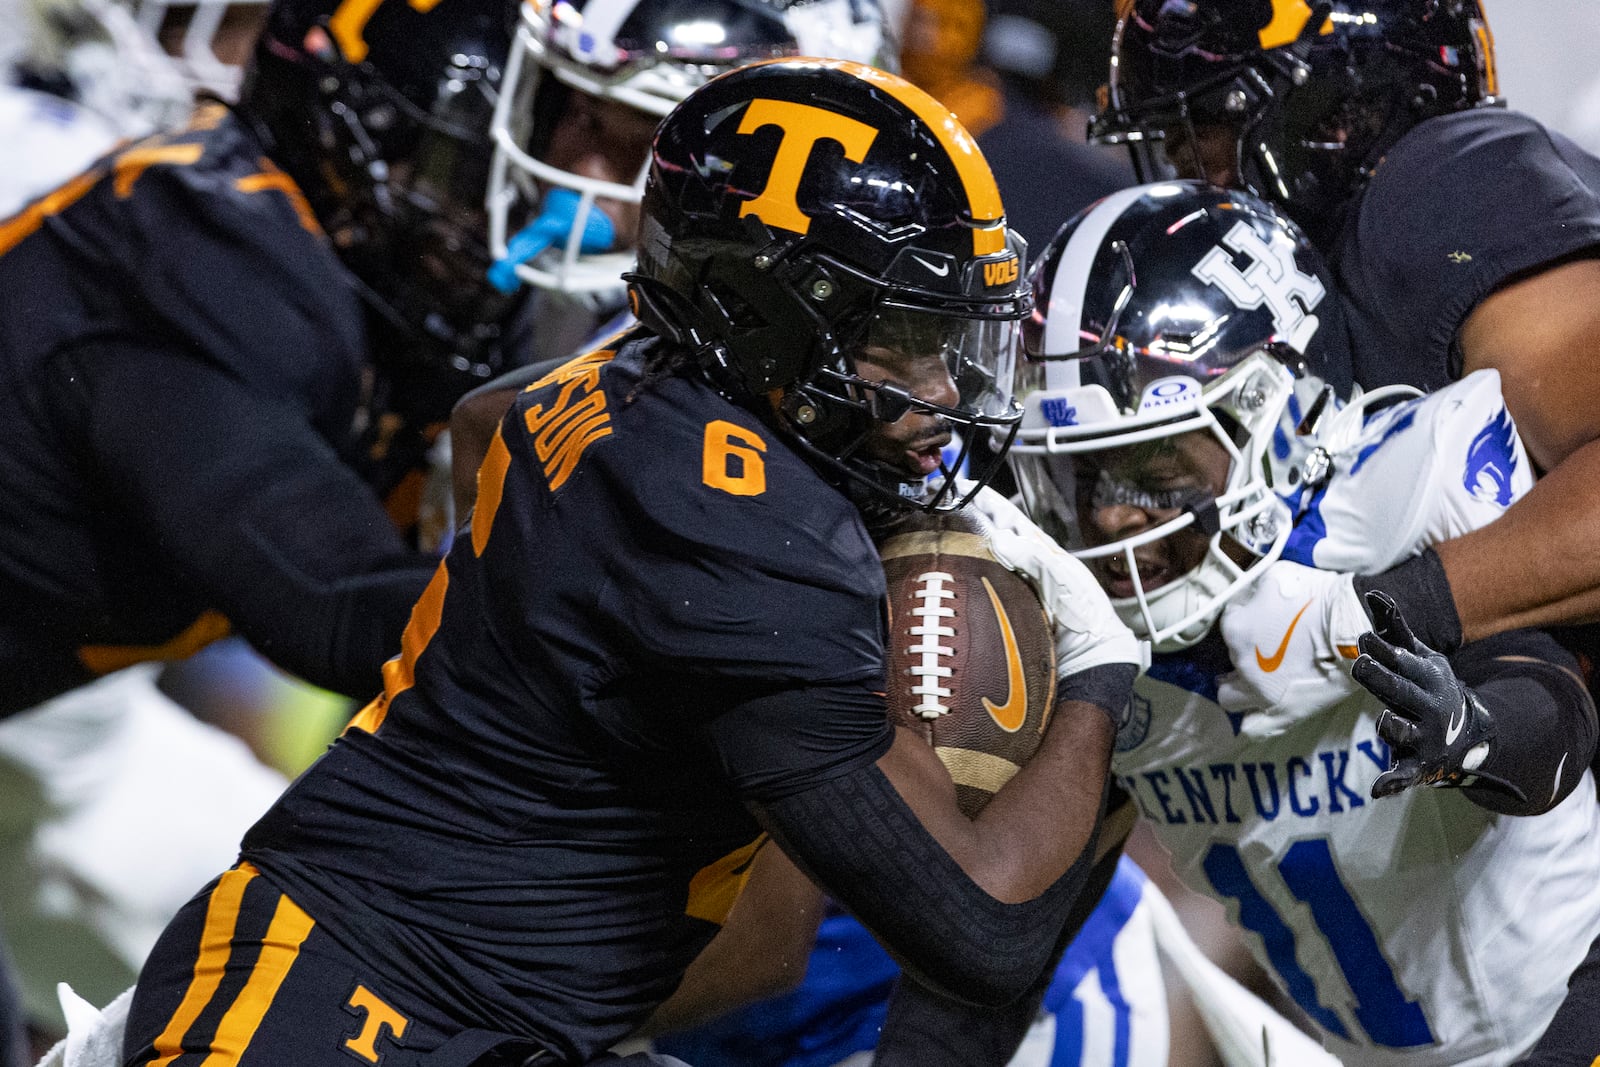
<point>923,1028</point>
<point>861,838</point>
<point>1535,565</point>
<point>1040,822</point>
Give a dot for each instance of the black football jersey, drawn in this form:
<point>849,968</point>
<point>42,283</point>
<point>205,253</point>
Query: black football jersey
<point>659,612</point>
<point>182,355</point>
<point>1464,203</point>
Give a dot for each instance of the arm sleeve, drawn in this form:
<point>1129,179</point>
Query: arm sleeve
<point>860,841</point>
<point>240,497</point>
<point>787,740</point>
<point>927,1029</point>
<point>1544,718</point>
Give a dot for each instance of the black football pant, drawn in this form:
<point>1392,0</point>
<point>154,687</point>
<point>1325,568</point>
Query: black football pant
<point>243,975</point>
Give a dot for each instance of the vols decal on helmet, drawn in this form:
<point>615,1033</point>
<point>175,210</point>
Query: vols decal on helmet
<point>977,181</point>
<point>1273,279</point>
<point>803,126</point>
<point>348,24</point>
<point>1001,271</point>
<point>1289,19</point>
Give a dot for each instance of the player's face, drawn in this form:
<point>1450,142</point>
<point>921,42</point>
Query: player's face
<point>604,140</point>
<point>911,442</point>
<point>1206,150</point>
<point>1125,491</point>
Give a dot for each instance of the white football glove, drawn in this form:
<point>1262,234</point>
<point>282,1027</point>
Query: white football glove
<point>1292,638</point>
<point>1087,630</point>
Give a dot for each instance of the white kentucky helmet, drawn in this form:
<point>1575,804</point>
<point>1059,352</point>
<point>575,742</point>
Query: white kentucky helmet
<point>1160,310</point>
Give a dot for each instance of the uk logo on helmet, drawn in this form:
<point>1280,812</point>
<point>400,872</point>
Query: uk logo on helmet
<point>1273,280</point>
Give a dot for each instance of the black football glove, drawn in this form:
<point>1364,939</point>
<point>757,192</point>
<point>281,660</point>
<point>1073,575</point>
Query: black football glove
<point>1438,731</point>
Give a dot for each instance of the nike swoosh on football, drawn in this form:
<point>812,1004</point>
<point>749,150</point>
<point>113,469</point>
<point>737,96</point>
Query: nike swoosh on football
<point>940,269</point>
<point>1274,661</point>
<point>1014,712</point>
<point>1458,720</point>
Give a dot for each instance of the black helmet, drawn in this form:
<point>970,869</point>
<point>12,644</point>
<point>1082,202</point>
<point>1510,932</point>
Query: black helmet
<point>380,112</point>
<point>800,212</point>
<point>1315,93</point>
<point>647,55</point>
<point>1161,310</point>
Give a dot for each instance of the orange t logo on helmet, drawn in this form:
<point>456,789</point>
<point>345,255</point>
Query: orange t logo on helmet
<point>803,126</point>
<point>1288,21</point>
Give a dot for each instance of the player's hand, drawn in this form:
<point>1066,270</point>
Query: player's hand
<point>1292,639</point>
<point>1438,731</point>
<point>1087,629</point>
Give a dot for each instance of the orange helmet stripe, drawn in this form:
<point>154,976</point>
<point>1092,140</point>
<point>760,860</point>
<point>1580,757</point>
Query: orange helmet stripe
<point>1480,28</point>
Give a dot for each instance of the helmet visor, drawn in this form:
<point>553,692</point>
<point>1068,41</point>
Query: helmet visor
<point>961,367</point>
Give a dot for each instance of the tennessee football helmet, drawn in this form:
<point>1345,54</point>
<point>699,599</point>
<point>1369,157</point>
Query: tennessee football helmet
<point>545,227</point>
<point>1312,95</point>
<point>1165,311</point>
<point>804,217</point>
<point>380,112</point>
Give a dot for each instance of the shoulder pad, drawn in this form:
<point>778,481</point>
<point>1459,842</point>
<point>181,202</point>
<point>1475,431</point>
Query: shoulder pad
<point>1416,473</point>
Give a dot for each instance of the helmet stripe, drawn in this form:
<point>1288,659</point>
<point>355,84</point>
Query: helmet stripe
<point>1485,36</point>
<point>348,24</point>
<point>1289,18</point>
<point>1065,308</point>
<point>983,195</point>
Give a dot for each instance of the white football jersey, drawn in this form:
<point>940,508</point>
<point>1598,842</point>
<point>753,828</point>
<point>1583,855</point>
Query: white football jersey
<point>1417,930</point>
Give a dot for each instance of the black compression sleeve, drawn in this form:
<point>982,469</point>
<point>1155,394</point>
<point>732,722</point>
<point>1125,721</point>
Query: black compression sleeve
<point>240,497</point>
<point>1544,718</point>
<point>1422,591</point>
<point>926,1029</point>
<point>1108,687</point>
<point>861,842</point>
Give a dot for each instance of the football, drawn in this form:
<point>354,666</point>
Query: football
<point>971,654</point>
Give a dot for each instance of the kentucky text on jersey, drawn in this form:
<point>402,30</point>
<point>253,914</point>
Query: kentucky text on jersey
<point>1332,781</point>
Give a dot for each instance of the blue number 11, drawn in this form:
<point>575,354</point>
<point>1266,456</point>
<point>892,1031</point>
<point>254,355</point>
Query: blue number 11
<point>1382,1008</point>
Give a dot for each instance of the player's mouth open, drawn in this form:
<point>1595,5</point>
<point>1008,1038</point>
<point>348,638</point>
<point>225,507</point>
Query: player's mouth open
<point>1118,581</point>
<point>924,458</point>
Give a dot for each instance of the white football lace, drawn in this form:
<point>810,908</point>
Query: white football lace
<point>931,625</point>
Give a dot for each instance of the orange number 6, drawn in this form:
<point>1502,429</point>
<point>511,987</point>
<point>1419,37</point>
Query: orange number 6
<point>732,460</point>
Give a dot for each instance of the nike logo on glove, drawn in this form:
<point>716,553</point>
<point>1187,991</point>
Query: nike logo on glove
<point>1458,720</point>
<point>1014,712</point>
<point>1274,661</point>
